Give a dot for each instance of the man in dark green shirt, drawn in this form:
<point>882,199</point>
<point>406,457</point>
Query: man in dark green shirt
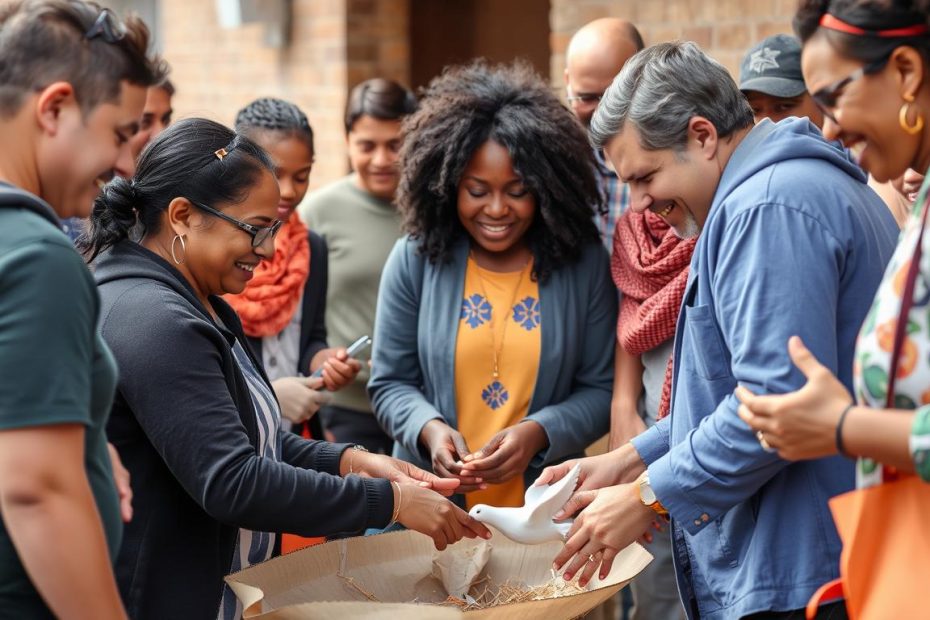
<point>65,131</point>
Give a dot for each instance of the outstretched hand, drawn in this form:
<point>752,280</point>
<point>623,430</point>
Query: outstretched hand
<point>395,470</point>
<point>426,512</point>
<point>800,424</point>
<point>603,470</point>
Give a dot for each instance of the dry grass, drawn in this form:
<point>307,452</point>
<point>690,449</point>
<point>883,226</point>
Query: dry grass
<point>484,593</point>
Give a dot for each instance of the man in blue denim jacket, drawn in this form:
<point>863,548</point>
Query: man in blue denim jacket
<point>792,241</point>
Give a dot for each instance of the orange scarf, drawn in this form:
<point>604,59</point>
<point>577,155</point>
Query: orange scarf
<point>270,298</point>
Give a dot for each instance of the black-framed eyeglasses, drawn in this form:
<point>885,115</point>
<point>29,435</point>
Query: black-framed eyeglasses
<point>825,98</point>
<point>107,27</point>
<point>582,97</point>
<point>260,234</point>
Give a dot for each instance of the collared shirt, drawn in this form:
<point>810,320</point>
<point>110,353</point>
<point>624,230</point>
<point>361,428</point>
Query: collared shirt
<point>616,200</point>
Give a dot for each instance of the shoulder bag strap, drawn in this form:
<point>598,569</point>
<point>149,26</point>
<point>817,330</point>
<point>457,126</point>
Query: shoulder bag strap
<point>907,302</point>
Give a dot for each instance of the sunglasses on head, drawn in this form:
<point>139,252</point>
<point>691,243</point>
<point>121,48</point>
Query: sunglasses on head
<point>107,27</point>
<point>825,98</point>
<point>259,234</point>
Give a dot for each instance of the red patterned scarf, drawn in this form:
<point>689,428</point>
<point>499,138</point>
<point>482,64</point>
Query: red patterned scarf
<point>271,296</point>
<point>650,267</point>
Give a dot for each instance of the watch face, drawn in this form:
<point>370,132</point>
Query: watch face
<point>645,491</point>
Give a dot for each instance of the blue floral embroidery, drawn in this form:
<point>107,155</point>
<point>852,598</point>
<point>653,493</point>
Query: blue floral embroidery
<point>495,395</point>
<point>475,310</point>
<point>527,313</point>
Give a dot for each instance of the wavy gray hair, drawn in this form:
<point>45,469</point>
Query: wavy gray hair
<point>663,87</point>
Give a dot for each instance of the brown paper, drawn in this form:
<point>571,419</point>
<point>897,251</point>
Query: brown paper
<point>392,575</point>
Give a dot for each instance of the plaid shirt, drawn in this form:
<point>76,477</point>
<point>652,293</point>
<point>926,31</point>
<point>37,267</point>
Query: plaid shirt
<point>617,198</point>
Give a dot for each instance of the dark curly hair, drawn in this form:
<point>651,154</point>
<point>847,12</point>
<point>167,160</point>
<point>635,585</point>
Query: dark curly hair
<point>278,115</point>
<point>464,108</point>
<point>870,15</point>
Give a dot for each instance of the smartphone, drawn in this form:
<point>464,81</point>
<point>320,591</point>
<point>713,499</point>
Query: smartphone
<point>352,350</point>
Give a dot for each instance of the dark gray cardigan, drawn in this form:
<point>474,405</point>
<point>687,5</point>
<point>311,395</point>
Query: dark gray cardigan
<point>184,425</point>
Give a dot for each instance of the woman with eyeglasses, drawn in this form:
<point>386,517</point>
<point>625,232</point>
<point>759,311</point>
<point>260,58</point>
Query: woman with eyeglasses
<point>216,478</point>
<point>867,65</point>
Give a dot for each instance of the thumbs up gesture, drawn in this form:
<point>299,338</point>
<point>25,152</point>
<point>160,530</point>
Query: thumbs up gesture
<point>801,424</point>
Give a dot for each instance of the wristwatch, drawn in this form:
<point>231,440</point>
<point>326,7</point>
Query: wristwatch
<point>647,496</point>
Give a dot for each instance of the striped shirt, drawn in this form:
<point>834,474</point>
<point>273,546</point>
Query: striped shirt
<point>254,547</point>
<point>616,199</point>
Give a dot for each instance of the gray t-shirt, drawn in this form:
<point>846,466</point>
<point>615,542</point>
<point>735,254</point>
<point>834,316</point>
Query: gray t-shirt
<point>654,363</point>
<point>360,231</point>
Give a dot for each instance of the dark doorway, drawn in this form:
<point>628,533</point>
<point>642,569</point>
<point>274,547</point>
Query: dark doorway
<point>444,32</point>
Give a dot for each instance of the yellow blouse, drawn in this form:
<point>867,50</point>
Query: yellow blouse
<point>485,404</point>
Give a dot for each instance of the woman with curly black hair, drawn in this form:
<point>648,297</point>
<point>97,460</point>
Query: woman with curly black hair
<point>494,328</point>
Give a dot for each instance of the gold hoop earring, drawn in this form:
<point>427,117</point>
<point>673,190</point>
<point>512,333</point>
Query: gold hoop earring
<point>174,255</point>
<point>902,117</point>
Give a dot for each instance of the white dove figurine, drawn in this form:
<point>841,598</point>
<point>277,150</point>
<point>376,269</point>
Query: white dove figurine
<point>533,524</point>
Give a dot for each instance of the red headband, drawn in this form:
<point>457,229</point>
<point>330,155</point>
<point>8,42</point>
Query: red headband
<point>833,22</point>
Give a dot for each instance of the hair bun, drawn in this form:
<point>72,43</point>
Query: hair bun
<point>118,197</point>
<point>114,213</point>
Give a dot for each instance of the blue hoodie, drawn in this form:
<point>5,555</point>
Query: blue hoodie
<point>795,243</point>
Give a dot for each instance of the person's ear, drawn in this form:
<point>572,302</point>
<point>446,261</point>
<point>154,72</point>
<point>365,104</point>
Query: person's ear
<point>52,103</point>
<point>181,214</point>
<point>908,67</point>
<point>703,132</point>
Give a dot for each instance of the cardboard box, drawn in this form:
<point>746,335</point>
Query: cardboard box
<point>391,576</point>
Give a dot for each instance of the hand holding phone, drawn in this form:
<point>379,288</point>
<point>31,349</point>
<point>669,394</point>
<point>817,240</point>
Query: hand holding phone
<point>352,350</point>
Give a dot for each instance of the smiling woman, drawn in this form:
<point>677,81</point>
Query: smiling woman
<point>867,65</point>
<point>493,344</point>
<point>283,307</point>
<point>194,408</point>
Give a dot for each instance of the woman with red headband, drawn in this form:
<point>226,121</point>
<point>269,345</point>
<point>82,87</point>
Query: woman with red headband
<point>867,65</point>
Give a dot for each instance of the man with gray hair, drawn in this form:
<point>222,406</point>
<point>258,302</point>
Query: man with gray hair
<point>792,242</point>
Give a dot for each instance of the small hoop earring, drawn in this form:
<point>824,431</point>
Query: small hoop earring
<point>174,255</point>
<point>918,125</point>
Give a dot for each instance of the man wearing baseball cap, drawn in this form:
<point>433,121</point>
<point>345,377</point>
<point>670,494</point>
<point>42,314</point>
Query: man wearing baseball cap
<point>770,77</point>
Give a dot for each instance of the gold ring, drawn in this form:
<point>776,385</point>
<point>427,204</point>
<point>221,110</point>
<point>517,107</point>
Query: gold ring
<point>765,445</point>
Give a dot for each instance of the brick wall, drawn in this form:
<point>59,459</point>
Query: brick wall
<point>726,29</point>
<point>334,45</point>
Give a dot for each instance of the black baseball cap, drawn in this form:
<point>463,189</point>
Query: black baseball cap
<point>773,67</point>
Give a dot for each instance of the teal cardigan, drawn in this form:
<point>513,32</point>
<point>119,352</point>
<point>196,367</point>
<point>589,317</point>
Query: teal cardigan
<point>413,357</point>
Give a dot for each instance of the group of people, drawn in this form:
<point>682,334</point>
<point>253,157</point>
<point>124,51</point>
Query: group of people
<point>533,276</point>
